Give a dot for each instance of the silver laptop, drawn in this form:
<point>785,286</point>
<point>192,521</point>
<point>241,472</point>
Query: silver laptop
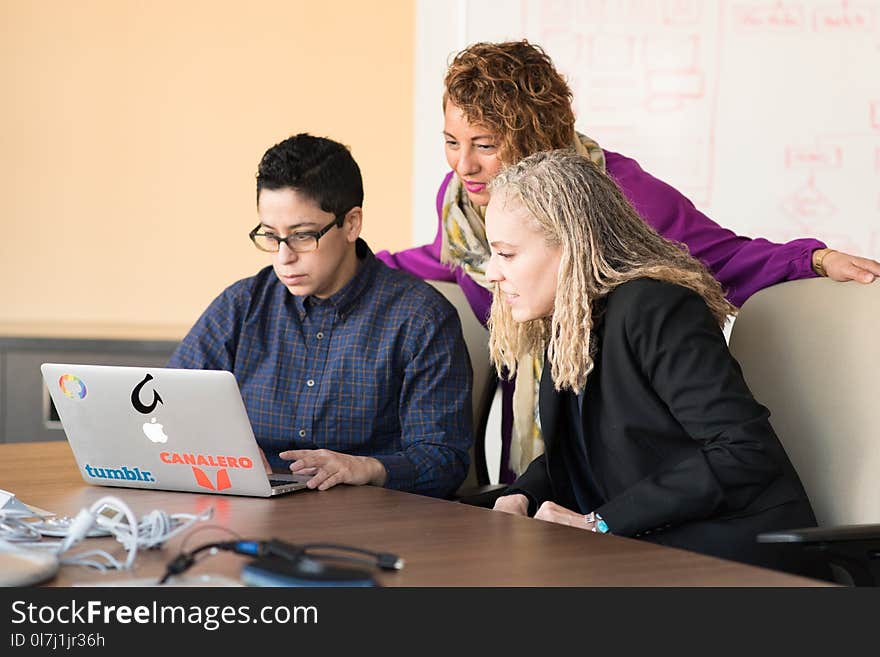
<point>169,429</point>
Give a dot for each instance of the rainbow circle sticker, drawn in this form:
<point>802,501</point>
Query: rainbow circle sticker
<point>72,386</point>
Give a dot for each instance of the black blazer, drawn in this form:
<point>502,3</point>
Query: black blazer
<point>680,452</point>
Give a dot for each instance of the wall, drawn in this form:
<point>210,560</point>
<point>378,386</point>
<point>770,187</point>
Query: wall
<point>766,114</point>
<point>130,134</point>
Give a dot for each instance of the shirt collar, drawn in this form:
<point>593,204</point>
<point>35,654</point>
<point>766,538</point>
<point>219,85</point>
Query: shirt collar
<point>344,299</point>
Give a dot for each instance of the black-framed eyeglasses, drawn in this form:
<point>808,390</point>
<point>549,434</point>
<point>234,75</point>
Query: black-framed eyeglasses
<point>300,242</point>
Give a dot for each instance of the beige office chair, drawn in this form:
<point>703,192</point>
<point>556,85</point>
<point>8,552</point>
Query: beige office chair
<point>810,352</point>
<point>476,489</point>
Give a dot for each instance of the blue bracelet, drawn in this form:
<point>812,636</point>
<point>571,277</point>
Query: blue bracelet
<point>599,525</point>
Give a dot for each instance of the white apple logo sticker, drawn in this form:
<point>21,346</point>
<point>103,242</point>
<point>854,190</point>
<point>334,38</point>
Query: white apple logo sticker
<point>153,431</point>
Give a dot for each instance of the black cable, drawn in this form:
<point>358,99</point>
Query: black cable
<point>281,549</point>
<point>204,528</point>
<point>185,560</point>
<point>384,560</point>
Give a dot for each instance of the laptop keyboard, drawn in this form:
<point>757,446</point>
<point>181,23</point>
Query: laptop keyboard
<point>280,482</point>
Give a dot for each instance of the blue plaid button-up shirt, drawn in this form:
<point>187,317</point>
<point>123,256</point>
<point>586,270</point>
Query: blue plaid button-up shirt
<point>378,369</point>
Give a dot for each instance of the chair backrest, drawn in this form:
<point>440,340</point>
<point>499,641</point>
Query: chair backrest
<point>485,381</point>
<point>810,352</point>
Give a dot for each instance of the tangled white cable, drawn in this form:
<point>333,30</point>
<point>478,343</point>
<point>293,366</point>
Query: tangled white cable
<point>15,528</point>
<point>86,518</point>
<point>107,516</point>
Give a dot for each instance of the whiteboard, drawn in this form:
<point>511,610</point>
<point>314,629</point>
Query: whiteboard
<point>765,114</point>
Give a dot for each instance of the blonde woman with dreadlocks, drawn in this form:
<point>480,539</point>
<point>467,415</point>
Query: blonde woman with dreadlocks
<point>504,101</point>
<point>649,428</point>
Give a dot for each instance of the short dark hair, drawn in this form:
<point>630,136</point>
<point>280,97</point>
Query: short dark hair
<point>320,168</point>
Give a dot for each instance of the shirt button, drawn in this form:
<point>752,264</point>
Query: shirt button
<point>310,383</point>
<point>320,335</point>
<point>302,433</point>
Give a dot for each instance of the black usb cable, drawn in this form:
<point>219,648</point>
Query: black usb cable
<point>286,551</point>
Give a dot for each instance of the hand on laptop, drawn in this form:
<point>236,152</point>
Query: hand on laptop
<point>331,468</point>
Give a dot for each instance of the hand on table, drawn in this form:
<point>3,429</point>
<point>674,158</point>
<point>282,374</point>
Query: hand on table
<point>516,504</point>
<point>552,512</point>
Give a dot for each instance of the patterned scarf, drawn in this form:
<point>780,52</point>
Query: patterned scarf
<point>465,245</point>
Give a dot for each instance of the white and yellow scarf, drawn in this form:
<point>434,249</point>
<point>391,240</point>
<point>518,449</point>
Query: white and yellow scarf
<point>465,245</point>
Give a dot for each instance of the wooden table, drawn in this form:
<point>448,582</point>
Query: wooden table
<point>443,543</point>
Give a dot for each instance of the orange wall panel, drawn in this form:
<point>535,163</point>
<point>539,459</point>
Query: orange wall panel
<point>130,134</point>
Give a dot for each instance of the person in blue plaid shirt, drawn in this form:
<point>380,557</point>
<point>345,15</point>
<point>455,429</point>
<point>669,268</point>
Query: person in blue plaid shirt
<point>351,372</point>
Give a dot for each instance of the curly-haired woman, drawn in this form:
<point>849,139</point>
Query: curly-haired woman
<point>505,101</point>
<point>649,428</point>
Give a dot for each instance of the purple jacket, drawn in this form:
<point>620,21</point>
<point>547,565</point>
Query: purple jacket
<point>743,265</point>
